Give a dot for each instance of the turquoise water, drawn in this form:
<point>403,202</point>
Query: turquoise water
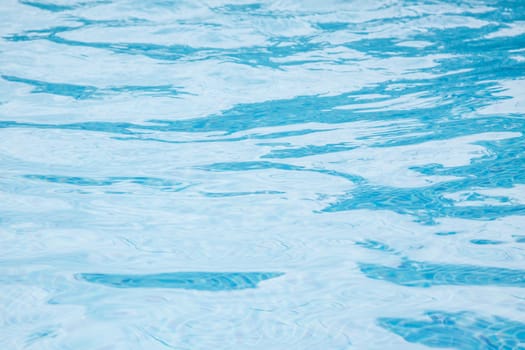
<point>273,175</point>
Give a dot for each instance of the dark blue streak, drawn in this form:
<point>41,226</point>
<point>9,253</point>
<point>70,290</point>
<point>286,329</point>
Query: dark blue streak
<point>204,281</point>
<point>485,241</point>
<point>49,6</point>
<point>423,274</point>
<point>308,151</point>
<point>375,245</point>
<point>84,181</point>
<point>83,92</point>
<point>238,194</point>
<point>78,92</point>
<point>460,330</point>
<point>263,165</point>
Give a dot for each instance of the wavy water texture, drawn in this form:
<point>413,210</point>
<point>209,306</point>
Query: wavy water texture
<point>368,158</point>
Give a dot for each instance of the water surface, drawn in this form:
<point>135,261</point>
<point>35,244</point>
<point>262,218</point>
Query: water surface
<point>262,175</point>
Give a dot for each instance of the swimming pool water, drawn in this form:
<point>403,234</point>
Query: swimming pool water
<point>283,174</point>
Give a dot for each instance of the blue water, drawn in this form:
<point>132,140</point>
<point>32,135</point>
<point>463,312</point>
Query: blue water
<point>262,175</point>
